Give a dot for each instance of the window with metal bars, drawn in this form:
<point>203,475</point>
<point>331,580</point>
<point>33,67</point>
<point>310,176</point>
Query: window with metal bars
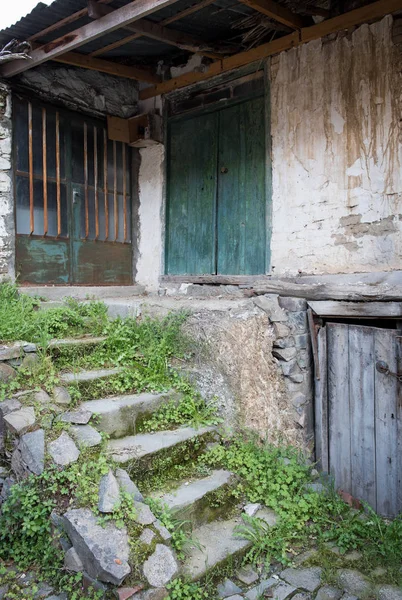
<point>56,150</point>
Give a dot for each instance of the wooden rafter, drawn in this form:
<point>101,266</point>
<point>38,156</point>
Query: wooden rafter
<point>275,11</point>
<point>136,36</point>
<point>159,32</point>
<point>119,18</point>
<point>370,12</point>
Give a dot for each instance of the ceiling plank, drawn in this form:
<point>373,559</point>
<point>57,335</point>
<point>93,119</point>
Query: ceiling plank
<point>136,36</point>
<point>275,11</point>
<point>163,34</point>
<point>370,12</point>
<point>119,18</point>
<point>106,66</point>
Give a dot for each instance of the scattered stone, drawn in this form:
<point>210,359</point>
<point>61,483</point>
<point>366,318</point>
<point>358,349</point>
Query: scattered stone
<point>256,592</point>
<point>147,536</point>
<point>3,471</point>
<point>283,591</point>
<point>86,435</point>
<point>269,304</point>
<point>314,474</point>
<point>162,530</point>
<point>6,487</point>
<point>29,455</point>
<point>290,368</point>
<point>292,304</point>
<point>28,347</point>
<point>144,516</point>
<point>44,590</point>
<point>251,509</point>
<point>247,575</point>
<point>302,340</point>
<point>302,596</point>
<point>299,399</point>
<point>389,592</point>
<point>281,330</point>
<point>285,354</point>
<point>9,406</point>
<point>347,596</point>
<point>72,561</point>
<point>353,555</point>
<point>41,397</point>
<point>7,373</point>
<point>89,583</point>
<point>236,597</point>
<point>328,592</point>
<point>307,579</point>
<point>3,591</point>
<point>298,321</point>
<point>63,450</point>
<point>30,361</point>
<point>79,417</point>
<point>284,343</point>
<point>104,551</point>
<point>127,592</point>
<point>353,582</point>
<point>11,351</point>
<point>109,493</point>
<point>61,395</point>
<point>161,567</point>
<point>228,588</point>
<point>155,594</point>
<point>128,486</point>
<point>19,421</point>
<point>62,596</point>
<point>317,487</point>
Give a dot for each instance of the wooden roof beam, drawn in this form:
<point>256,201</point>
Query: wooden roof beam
<point>275,11</point>
<point>136,36</point>
<point>119,18</point>
<point>162,34</point>
<point>370,12</point>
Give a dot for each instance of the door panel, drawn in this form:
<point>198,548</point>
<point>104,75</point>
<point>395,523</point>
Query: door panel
<point>241,190</point>
<point>192,196</point>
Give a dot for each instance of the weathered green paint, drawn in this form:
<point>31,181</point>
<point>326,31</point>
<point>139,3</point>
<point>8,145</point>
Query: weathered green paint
<point>217,192</point>
<point>42,260</point>
<point>191,215</point>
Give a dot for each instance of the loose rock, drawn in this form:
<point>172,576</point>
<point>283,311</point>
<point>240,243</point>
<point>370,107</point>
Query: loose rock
<point>61,395</point>
<point>328,592</point>
<point>389,592</point>
<point>109,493</point>
<point>155,594</point>
<point>72,561</point>
<point>308,579</point>
<point>41,397</point>
<point>353,582</point>
<point>228,588</point>
<point>269,304</point>
<point>30,361</point>
<point>128,486</point>
<point>247,575</point>
<point>29,455</point>
<point>162,530</point>
<point>7,373</point>
<point>19,421</point>
<point>127,592</point>
<point>251,509</point>
<point>285,354</point>
<point>147,537</point>
<point>144,516</point>
<point>104,551</point>
<point>63,450</point>
<point>86,435</point>
<point>9,406</point>
<point>79,417</point>
<point>161,567</point>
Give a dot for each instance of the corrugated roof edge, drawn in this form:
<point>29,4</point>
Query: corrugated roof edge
<point>36,7</point>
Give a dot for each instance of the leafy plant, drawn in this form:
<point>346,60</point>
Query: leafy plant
<point>182,590</point>
<point>179,529</point>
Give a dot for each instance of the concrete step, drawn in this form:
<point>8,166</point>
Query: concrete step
<point>195,501</point>
<point>147,445</point>
<point>217,543</point>
<point>85,376</point>
<point>62,292</point>
<point>120,416</point>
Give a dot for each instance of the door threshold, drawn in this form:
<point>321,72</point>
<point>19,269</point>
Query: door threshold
<point>82,292</point>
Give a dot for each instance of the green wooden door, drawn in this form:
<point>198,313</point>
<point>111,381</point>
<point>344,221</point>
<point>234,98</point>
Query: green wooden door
<point>216,214</point>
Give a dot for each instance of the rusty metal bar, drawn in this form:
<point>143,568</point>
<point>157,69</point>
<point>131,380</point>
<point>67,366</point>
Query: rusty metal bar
<point>58,202</point>
<point>44,171</point>
<point>124,190</point>
<point>116,212</point>
<point>105,184</point>
<point>86,180</point>
<point>96,182</point>
<point>31,178</point>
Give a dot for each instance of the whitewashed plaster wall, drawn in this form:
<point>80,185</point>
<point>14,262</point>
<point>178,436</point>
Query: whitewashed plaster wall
<point>150,217</point>
<point>7,241</point>
<point>337,154</point>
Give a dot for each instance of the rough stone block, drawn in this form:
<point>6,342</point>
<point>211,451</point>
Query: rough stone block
<point>161,567</point>
<point>144,516</point>
<point>353,582</point>
<point>63,450</point>
<point>109,493</point>
<point>228,589</point>
<point>8,406</point>
<point>284,353</point>
<point>328,592</point>
<point>29,455</point>
<point>302,340</point>
<point>72,561</point>
<point>389,592</point>
<point>162,530</point>
<point>7,373</point>
<point>85,435</point>
<point>298,321</point>
<point>104,551</point>
<point>147,536</point>
<point>284,343</point>
<point>128,486</point>
<point>292,304</point>
<point>247,575</point>
<point>19,421</point>
<point>269,304</point>
<point>307,579</point>
<point>61,395</point>
<point>79,417</point>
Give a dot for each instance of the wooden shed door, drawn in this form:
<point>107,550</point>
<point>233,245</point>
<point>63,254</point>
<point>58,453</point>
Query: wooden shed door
<point>359,413</point>
<point>216,219</point>
<point>73,199</point>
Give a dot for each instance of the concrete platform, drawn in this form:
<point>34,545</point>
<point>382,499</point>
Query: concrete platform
<point>85,292</point>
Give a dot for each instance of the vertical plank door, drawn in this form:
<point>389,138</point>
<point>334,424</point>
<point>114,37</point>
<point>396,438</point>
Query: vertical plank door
<point>191,211</point>
<point>241,242</point>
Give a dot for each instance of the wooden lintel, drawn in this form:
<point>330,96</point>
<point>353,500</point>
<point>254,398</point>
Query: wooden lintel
<point>275,11</point>
<point>119,18</point>
<point>361,310</point>
<point>106,66</point>
<point>370,12</point>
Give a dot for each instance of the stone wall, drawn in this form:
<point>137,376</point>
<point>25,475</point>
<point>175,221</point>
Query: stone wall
<point>6,188</point>
<point>337,154</point>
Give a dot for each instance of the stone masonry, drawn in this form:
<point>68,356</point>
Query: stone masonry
<point>6,188</point>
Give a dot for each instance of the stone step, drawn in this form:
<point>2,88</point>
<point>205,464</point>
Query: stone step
<point>85,376</point>
<point>75,342</point>
<point>216,543</point>
<point>147,445</point>
<point>194,501</point>
<point>61,292</point>
<point>119,416</point>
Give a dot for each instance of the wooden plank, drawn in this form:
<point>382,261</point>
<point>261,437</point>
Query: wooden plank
<point>362,419</point>
<point>339,405</point>
<point>388,426</point>
<point>181,15</point>
<point>31,177</point>
<point>58,173</point>
<point>373,11</point>
<point>275,11</point>
<point>321,404</point>
<point>314,343</point>
<point>191,210</point>
<point>373,310</point>
<point>119,18</point>
<point>44,172</point>
<point>105,66</point>
<point>105,184</point>
<point>241,226</point>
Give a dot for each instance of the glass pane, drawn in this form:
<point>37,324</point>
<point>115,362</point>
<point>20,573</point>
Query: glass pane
<point>22,202</point>
<point>128,218</point>
<point>52,209</point>
<point>37,140</point>
<point>91,215</point>
<point>90,145</point>
<point>21,134</point>
<point>101,211</point>
<point>111,217</point>
<point>77,148</point>
<point>38,208</point>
